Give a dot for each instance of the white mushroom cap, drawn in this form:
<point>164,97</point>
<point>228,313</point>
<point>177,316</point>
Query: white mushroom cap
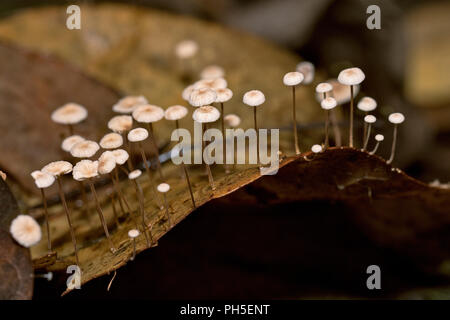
<point>379,137</point>
<point>316,148</point>
<point>212,72</point>
<point>340,92</point>
<point>58,168</point>
<point>206,114</point>
<point>121,156</point>
<point>176,112</point>
<point>134,174</point>
<point>42,179</point>
<point>133,233</point>
<point>111,141</point>
<point>128,104</point>
<point>293,78</point>
<point>70,113</point>
<point>148,113</point>
<point>396,118</point>
<point>232,120</point>
<point>370,118</point>
<point>324,87</point>
<point>186,94</point>
<point>120,124</point>
<point>351,76</point>
<point>328,103</point>
<point>186,49</point>
<point>137,134</point>
<point>69,142</point>
<point>85,169</point>
<point>214,84</point>
<point>254,98</point>
<point>2,175</point>
<point>223,95</point>
<point>84,149</point>
<point>308,70</point>
<point>25,230</point>
<point>163,187</point>
<point>106,162</point>
<point>367,104</point>
<point>202,97</point>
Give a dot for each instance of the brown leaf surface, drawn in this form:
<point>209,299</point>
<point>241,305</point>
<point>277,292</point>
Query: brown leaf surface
<point>16,270</point>
<point>396,210</point>
<point>32,85</point>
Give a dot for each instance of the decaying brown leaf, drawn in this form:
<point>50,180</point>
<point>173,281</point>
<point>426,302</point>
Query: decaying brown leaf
<point>396,210</point>
<point>16,270</point>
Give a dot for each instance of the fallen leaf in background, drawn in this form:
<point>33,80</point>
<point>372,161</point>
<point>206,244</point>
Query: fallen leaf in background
<point>16,270</point>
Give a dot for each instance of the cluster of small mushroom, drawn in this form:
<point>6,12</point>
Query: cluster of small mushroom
<point>333,93</point>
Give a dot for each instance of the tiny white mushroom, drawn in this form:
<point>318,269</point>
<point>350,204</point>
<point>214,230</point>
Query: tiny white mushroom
<point>186,94</point>
<point>186,49</point>
<point>202,97</point>
<point>379,138</point>
<point>308,70</point>
<point>316,148</point>
<point>351,77</point>
<point>254,98</point>
<point>212,72</point>
<point>133,234</point>
<point>70,141</point>
<point>134,174</point>
<point>164,188</point>
<point>69,114</point>
<point>232,120</point>
<point>84,149</point>
<point>292,79</point>
<point>214,84</point>
<point>121,156</point>
<point>366,104</point>
<point>120,124</point>
<point>127,104</point>
<point>25,230</point>
<point>324,88</point>
<point>369,120</point>
<point>111,141</point>
<point>396,119</point>
<point>328,104</point>
<point>137,135</point>
<point>175,113</point>
<point>106,163</point>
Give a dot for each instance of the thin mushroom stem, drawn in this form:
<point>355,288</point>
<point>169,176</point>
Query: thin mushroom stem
<point>327,124</point>
<point>167,210</point>
<point>147,168</point>
<point>366,141</point>
<point>365,131</point>
<point>334,124</point>
<point>257,138</point>
<point>116,185</point>
<point>141,209</point>
<point>294,118</point>
<point>47,224</point>
<point>155,146</point>
<point>208,169</point>
<point>128,149</point>
<point>223,129</point>
<point>134,250</point>
<point>394,142</point>
<point>101,216</point>
<point>376,148</point>
<point>111,175</point>
<point>177,125</point>
<point>351,118</point>
<point>69,221</point>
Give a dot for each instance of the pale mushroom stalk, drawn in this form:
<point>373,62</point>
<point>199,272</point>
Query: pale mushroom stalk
<point>367,135</point>
<point>47,224</point>
<point>351,118</point>
<point>294,117</point>
<point>208,169</point>
<point>378,139</point>
<point>128,148</point>
<point>113,205</point>
<point>257,138</point>
<point>147,168</point>
<point>134,250</point>
<point>167,210</point>
<point>327,122</point>
<point>155,146</point>
<point>177,125</point>
<point>334,124</point>
<point>118,189</point>
<point>142,210</point>
<point>365,132</point>
<point>394,143</point>
<point>69,221</point>
<point>101,216</point>
<point>375,148</point>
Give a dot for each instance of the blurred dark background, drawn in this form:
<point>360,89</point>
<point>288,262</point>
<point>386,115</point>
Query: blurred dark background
<point>407,64</point>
